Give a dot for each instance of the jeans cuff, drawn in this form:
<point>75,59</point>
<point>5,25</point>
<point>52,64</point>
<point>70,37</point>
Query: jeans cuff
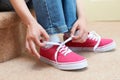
<point>57,30</point>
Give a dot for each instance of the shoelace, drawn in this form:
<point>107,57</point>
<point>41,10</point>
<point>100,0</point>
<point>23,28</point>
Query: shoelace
<point>61,47</point>
<point>94,36</point>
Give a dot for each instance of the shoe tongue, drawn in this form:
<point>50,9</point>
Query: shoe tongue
<point>65,50</point>
<point>48,46</point>
<point>51,44</point>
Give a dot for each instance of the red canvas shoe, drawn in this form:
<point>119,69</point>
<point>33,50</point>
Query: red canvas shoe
<point>62,57</point>
<point>93,43</point>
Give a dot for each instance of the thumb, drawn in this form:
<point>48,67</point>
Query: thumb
<point>73,30</point>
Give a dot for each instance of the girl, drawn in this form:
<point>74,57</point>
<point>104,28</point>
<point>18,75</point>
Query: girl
<point>54,17</point>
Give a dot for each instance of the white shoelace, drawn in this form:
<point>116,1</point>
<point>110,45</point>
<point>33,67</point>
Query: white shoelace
<point>65,50</point>
<point>94,36</point>
<point>61,47</point>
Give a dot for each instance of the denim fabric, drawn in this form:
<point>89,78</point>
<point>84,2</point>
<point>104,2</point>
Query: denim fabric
<point>69,7</point>
<point>56,16</point>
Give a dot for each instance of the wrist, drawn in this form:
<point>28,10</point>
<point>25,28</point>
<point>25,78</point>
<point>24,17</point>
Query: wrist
<point>31,22</point>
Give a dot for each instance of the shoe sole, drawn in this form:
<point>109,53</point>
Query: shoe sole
<point>104,48</point>
<point>66,66</point>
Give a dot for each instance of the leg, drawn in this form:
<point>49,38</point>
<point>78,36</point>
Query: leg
<point>94,43</point>
<point>50,15</point>
<point>69,7</point>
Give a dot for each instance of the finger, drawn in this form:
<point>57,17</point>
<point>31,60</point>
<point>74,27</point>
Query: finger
<point>85,37</point>
<point>79,33</point>
<point>74,29</point>
<point>33,49</point>
<point>45,35</point>
<point>28,47</point>
<point>82,39</point>
<point>38,42</point>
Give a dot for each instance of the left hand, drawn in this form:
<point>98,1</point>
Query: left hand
<point>79,25</point>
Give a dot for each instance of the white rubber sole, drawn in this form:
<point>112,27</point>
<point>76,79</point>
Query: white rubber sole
<point>66,66</point>
<point>104,48</point>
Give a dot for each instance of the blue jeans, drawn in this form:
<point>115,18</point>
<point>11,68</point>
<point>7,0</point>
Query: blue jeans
<point>55,16</point>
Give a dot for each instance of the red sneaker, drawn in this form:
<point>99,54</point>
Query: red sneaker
<point>62,57</point>
<point>93,43</point>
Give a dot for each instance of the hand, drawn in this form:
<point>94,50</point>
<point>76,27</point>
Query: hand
<point>79,25</point>
<point>34,32</point>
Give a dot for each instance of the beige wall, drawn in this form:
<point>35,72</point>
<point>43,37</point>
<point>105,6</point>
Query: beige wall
<point>102,10</point>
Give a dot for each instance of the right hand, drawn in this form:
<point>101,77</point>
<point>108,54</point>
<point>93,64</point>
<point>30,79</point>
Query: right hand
<point>34,32</point>
<point>82,33</point>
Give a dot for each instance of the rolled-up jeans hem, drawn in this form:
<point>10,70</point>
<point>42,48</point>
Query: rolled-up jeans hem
<point>57,30</point>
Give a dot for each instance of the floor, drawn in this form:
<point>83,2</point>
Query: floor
<point>102,66</point>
